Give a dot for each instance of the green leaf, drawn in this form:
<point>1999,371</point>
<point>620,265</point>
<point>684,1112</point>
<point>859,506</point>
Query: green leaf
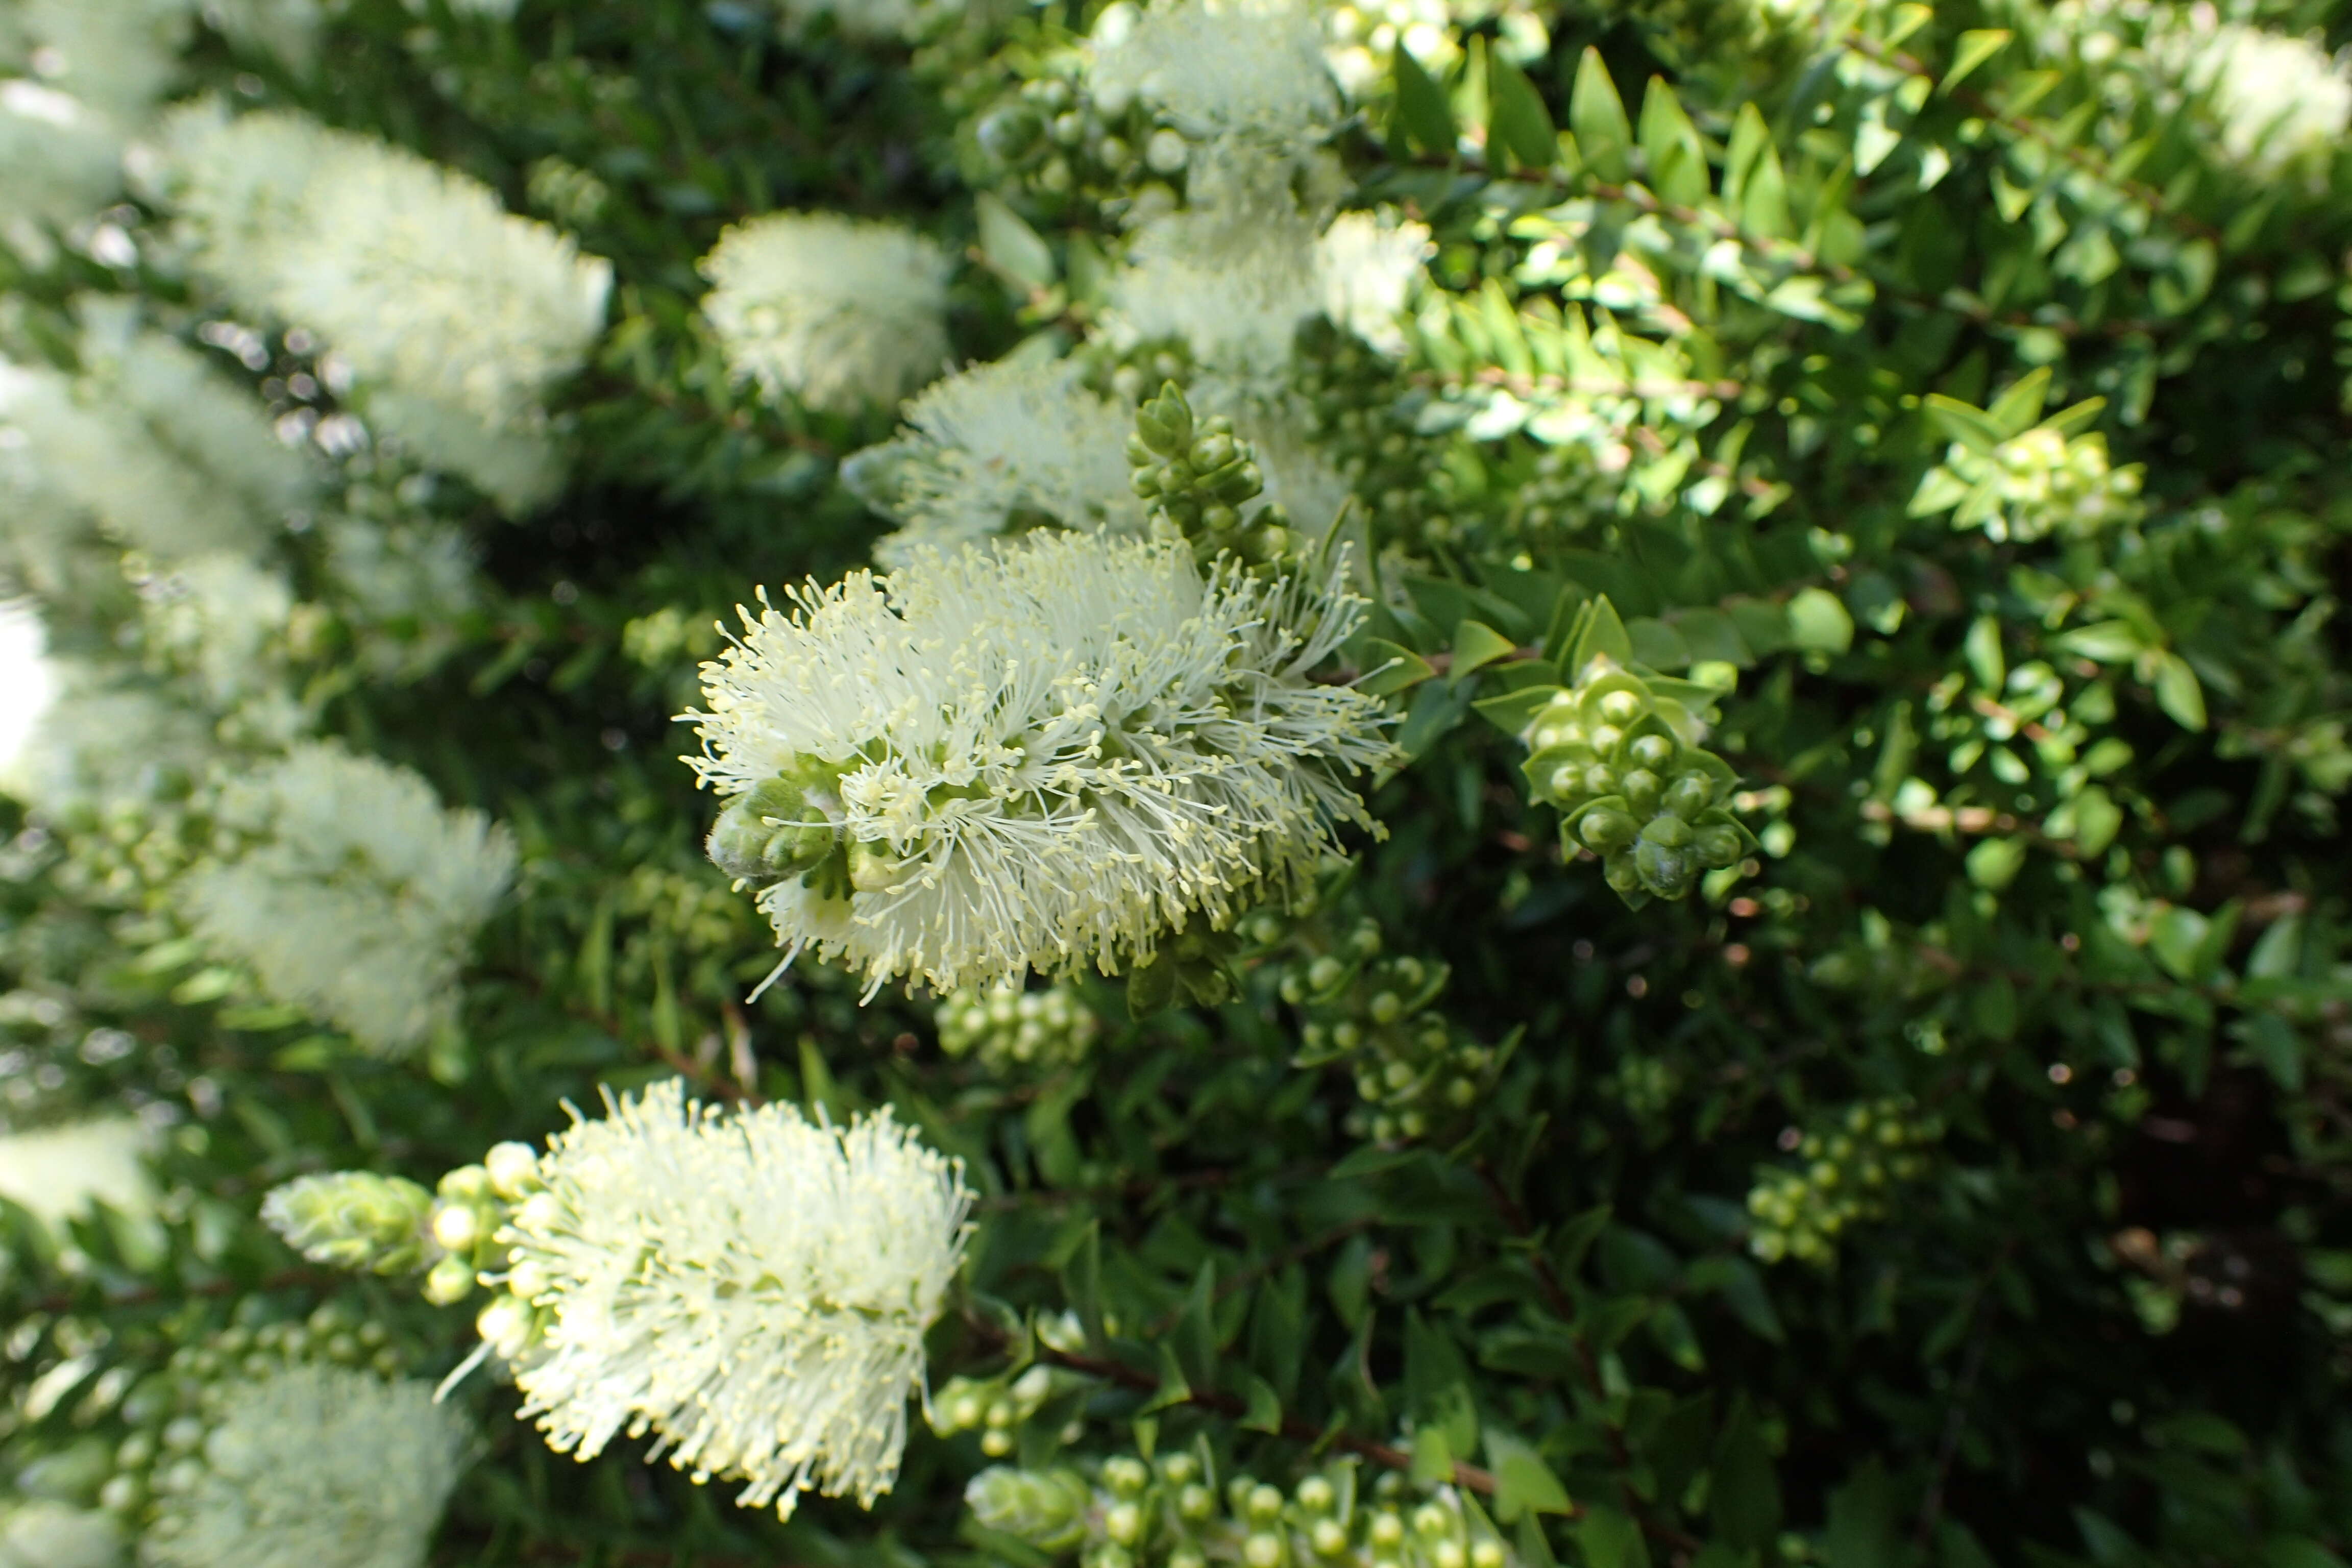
<point>1422,116</point>
<point>1477,644</point>
<point>1611,1539</point>
<point>2097,820</point>
<point>1744,1498</point>
<point>1975,46</point>
<point>1670,144</point>
<point>1437,1383</point>
<point>1764,204</point>
<point>1524,1484</point>
<point>1011,247</point>
<point>1818,623</point>
<point>1604,138</point>
<point>1517,119</point>
<point>1393,668</point>
<point>1656,644</point>
<point>1861,1523</point>
<point>2177,691</point>
<point>1994,863</point>
<point>2016,409</point>
<point>1082,1287</point>
<point>1261,1407</point>
<point>1511,711</point>
<point>1965,422</point>
<point>1194,1336</point>
<point>1599,633</point>
<point>2109,642</point>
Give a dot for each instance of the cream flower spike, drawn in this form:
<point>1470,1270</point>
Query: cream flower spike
<point>313,1466</point>
<point>837,311</point>
<point>748,1285</point>
<point>1045,757</point>
<point>994,440</point>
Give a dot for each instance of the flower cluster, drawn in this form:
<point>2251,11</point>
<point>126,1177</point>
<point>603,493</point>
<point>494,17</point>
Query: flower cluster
<point>837,311</point>
<point>454,315</point>
<point>990,447</point>
<point>982,765</point>
<point>353,893</point>
<point>750,1286</point>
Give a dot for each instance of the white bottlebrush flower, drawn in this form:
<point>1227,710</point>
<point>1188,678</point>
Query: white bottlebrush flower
<point>164,452</point>
<point>59,160</point>
<point>44,1534</point>
<point>862,20</point>
<point>117,55</point>
<point>2280,98</point>
<point>218,618</point>
<point>1365,266</point>
<point>1235,278</point>
<point>751,1287</point>
<point>28,683</point>
<point>517,467</point>
<point>454,315</point>
<point>1039,758</point>
<point>104,741</point>
<point>837,311</point>
<point>287,28</point>
<point>311,1467</point>
<point>1232,281</point>
<point>997,442</point>
<point>1219,70</point>
<point>420,280</point>
<point>358,894</point>
<point>60,1172</point>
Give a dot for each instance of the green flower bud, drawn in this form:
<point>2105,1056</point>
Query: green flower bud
<point>1652,752</point>
<point>1689,794</point>
<point>353,1219</point>
<point>1047,1509</point>
<point>1643,789</point>
<point>1603,830</point>
<point>1716,848</point>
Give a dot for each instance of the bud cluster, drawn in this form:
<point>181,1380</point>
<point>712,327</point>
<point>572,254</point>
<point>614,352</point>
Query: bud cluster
<point>2037,483</point>
<point>1199,475</point>
<point>788,825</point>
<point>1376,1014</point>
<point>1847,1177</point>
<point>173,1413</point>
<point>995,1407</point>
<point>1058,144</point>
<point>1012,1029</point>
<point>1621,759</point>
<point>1169,1512</point>
<point>470,1211</point>
<point>124,851</point>
<point>357,1220</point>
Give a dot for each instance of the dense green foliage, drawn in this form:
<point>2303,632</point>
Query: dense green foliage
<point>1923,1139</point>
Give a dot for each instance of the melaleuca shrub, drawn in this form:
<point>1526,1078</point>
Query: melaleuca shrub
<point>1174,783</point>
